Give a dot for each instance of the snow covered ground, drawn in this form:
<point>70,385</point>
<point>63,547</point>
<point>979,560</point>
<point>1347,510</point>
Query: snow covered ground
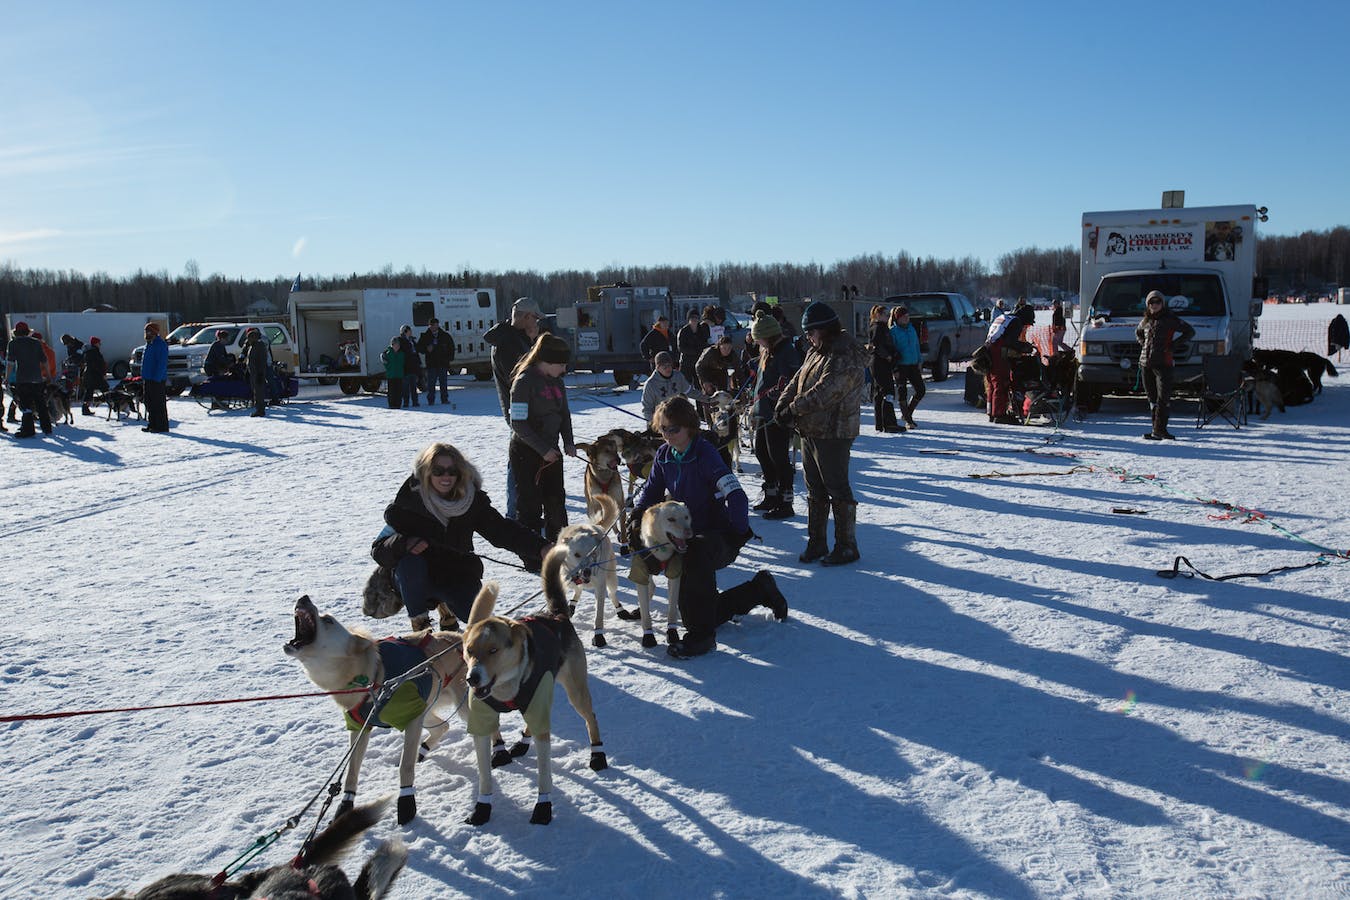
<point>1001,699</point>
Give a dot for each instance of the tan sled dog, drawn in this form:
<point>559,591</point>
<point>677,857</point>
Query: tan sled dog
<point>666,531</point>
<point>591,563</point>
<point>336,659</point>
<point>602,477</point>
<point>512,666</point>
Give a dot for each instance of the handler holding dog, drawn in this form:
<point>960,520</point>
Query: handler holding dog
<point>689,467</point>
<point>428,537</point>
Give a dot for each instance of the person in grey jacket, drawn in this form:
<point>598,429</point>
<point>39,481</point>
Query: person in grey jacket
<point>664,383</point>
<point>539,417</point>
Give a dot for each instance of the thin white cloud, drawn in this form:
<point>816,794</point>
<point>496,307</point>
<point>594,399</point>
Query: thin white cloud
<point>24,237</point>
<point>299,247</point>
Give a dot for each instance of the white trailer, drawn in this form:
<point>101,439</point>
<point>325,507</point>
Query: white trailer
<point>119,333</point>
<point>342,333</point>
<point>1203,259</point>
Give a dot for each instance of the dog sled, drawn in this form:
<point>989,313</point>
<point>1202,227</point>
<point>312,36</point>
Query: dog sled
<point>232,391</point>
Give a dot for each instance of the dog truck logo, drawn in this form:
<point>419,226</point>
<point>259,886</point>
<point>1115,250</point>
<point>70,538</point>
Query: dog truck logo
<point>1115,244</point>
<point>1174,243</point>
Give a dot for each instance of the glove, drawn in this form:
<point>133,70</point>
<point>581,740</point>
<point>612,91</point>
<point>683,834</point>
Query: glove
<point>635,532</point>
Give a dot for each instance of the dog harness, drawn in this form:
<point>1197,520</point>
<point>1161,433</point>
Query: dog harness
<point>534,699</point>
<point>410,699</point>
<point>645,565</point>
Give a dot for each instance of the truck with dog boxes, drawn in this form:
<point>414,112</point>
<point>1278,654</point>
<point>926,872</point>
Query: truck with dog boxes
<point>342,333</point>
<point>1203,260</point>
<point>119,333</point>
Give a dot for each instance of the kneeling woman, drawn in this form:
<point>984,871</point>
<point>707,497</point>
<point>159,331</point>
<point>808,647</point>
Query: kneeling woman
<point>428,537</point>
<point>690,469</point>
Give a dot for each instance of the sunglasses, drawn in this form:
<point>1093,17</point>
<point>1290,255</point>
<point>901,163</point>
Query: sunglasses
<point>1155,303</point>
<point>443,471</point>
<point>671,429</point>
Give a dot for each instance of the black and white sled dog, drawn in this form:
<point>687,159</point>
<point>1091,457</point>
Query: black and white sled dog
<point>336,659</point>
<point>591,562</point>
<point>513,664</point>
<point>314,877</point>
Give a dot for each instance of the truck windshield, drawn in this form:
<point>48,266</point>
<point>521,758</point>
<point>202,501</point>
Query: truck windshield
<point>934,306</point>
<point>208,336</point>
<point>1193,294</point>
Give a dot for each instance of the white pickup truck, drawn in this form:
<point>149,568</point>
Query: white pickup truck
<point>186,358</point>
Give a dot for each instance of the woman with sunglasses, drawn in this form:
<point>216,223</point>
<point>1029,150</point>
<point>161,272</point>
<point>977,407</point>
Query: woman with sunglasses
<point>428,537</point>
<point>1157,333</point>
<point>689,469</point>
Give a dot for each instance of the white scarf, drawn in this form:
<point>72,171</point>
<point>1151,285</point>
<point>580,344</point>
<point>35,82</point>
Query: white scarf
<point>444,510</point>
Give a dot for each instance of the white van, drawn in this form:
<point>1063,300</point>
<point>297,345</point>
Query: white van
<point>1202,259</point>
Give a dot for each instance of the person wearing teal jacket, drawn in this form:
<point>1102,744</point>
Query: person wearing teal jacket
<point>908,363</point>
<point>394,370</point>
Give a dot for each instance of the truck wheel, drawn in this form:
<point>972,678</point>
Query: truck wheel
<point>623,377</point>
<point>120,369</point>
<point>1088,397</point>
<point>942,366</point>
<point>349,386</point>
<point>372,384</point>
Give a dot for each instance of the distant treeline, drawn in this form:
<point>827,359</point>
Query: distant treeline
<point>1312,261</point>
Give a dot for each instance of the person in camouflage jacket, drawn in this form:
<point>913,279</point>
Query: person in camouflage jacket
<point>821,403</point>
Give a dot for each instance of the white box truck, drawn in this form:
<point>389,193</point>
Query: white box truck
<point>119,333</point>
<point>1203,259</point>
<point>342,333</point>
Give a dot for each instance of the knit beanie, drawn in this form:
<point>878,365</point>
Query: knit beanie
<point>818,315</point>
<point>765,327</point>
<point>553,349</point>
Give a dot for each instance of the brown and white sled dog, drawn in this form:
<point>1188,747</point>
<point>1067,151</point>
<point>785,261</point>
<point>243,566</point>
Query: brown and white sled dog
<point>602,477</point>
<point>591,562</point>
<point>336,659</point>
<point>513,665</point>
<point>666,531</point>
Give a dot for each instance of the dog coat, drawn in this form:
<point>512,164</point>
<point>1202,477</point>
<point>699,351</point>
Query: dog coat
<point>643,566</point>
<point>409,700</point>
<point>534,699</point>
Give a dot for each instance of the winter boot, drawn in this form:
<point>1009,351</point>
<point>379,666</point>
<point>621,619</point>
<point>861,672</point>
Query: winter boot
<point>783,509</point>
<point>888,422</point>
<point>845,537</point>
<point>769,502</point>
<point>817,517</point>
<point>770,595</point>
<point>447,622</point>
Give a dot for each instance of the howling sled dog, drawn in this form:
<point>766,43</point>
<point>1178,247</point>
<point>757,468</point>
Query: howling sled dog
<point>336,659</point>
<point>512,666</point>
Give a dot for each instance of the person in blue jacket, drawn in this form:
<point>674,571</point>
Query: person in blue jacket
<point>908,364</point>
<point>689,469</point>
<point>154,372</point>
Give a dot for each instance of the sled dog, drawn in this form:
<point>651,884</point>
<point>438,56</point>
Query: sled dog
<point>602,478</point>
<point>336,659</point>
<point>666,532</point>
<point>513,665</point>
<point>590,562</point>
<point>313,876</point>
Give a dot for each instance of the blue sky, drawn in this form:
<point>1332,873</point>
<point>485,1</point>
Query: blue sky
<point>261,139</point>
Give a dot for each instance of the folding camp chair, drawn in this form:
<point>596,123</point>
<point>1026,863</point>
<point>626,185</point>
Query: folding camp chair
<point>1223,391</point>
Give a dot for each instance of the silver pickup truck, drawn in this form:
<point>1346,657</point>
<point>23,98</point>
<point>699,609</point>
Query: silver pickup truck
<point>950,328</point>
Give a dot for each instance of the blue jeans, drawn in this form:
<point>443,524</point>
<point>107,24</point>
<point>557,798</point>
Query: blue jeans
<point>421,594</point>
<point>441,377</point>
<point>410,389</point>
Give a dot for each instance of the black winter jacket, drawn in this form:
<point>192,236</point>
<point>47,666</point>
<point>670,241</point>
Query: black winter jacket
<point>451,554</point>
<point>438,348</point>
<point>509,344</point>
<point>777,366</point>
